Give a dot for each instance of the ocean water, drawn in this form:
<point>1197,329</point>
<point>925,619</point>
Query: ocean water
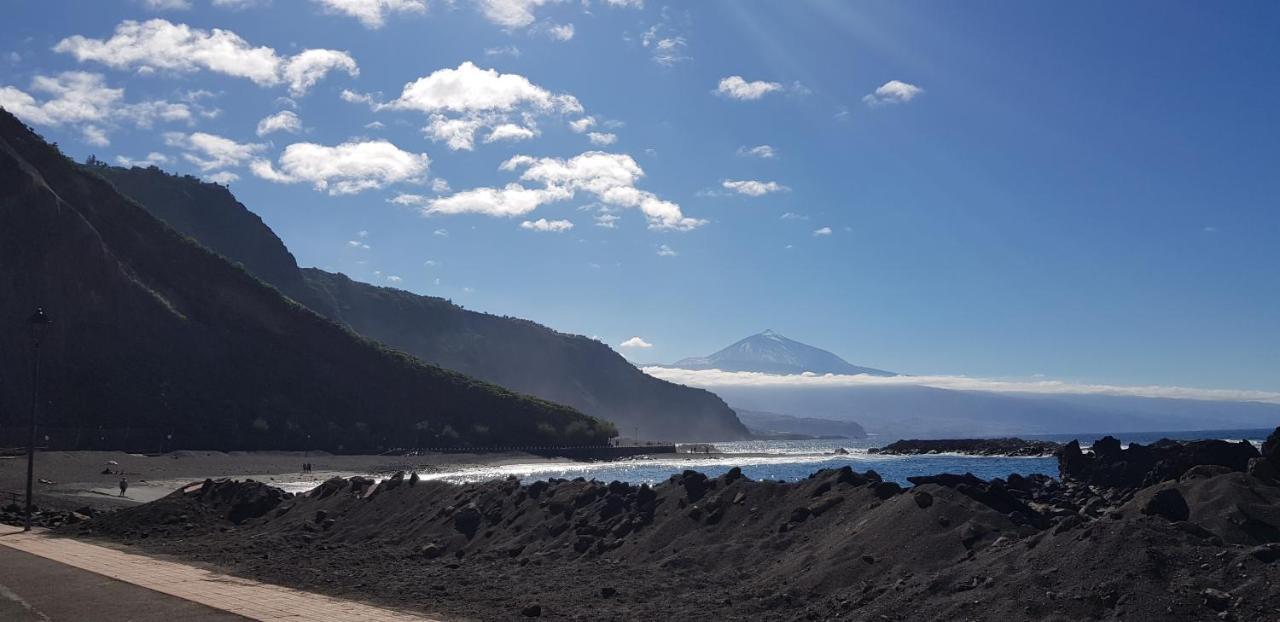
<point>795,460</point>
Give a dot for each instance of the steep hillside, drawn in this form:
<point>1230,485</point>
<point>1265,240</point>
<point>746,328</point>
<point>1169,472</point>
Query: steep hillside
<point>528,357</point>
<point>156,337</point>
<point>771,353</point>
<point>514,353</point>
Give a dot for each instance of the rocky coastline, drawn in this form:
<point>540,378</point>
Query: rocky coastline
<point>970,446</point>
<point>1195,535</point>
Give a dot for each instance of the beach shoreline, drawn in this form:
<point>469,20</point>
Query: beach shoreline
<point>73,479</point>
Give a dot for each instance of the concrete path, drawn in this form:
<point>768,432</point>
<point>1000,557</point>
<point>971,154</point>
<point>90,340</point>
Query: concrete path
<point>50,579</point>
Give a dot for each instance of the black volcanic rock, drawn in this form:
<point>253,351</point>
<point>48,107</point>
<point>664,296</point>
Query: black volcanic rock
<point>514,353</point>
<point>155,340</point>
<point>1144,465</point>
<point>972,446</point>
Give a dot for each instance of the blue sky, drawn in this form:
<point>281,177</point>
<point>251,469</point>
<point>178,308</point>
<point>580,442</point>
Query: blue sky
<point>1085,192</point>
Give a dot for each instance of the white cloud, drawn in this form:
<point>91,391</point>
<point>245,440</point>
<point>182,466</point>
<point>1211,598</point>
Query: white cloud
<point>153,159</point>
<point>602,138</point>
<point>607,220</point>
<point>511,13</point>
<point>236,5</point>
<point>166,5</point>
<point>581,125</point>
<point>822,231</point>
<point>462,101</point>
<point>610,178</point>
<point>735,87</point>
<point>374,125</point>
<point>512,200</point>
<point>362,233</point>
<point>439,185</point>
<point>162,45</point>
<point>222,177</point>
<point>793,216</point>
<point>710,378</point>
<point>666,251</point>
<point>665,50</point>
<point>373,13</point>
<point>892,92</point>
<point>753,188</point>
<point>348,168</point>
<point>510,131</point>
<point>444,233</point>
<point>507,50</point>
<point>391,278</point>
<point>542,224</point>
<point>283,121</point>
<point>83,100</point>
<point>559,32</point>
<point>759,151</point>
<point>635,342</point>
<point>211,152</point>
<point>358,244</point>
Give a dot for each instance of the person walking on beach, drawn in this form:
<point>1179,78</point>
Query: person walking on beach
<point>124,485</point>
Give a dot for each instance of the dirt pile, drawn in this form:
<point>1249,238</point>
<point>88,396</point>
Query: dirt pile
<point>838,545</point>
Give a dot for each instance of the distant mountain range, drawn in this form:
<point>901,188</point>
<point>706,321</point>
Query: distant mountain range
<point>514,353</point>
<point>158,342</point>
<point>908,410</point>
<point>771,353</point>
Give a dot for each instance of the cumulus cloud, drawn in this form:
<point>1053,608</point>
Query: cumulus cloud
<point>892,92</point>
<point>793,216</point>
<point>609,178</point>
<point>511,132</point>
<point>735,87</point>
<point>222,177</point>
<point>372,13</point>
<point>635,342</point>
<point>759,151</point>
<point>666,251</point>
<point>348,168</point>
<point>153,159</point>
<point>823,231</point>
<point>283,121</point>
<point>710,378</point>
<point>753,188</point>
<point>160,45</point>
<point>462,101</point>
<point>602,138</point>
<point>211,152</point>
<point>581,125</point>
<point>542,224</point>
<point>84,101</point>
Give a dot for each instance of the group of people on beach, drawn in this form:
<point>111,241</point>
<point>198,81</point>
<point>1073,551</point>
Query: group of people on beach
<point>306,467</point>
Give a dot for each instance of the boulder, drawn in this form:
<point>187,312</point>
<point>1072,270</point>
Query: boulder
<point>1138,466</point>
<point>1169,504</point>
<point>467,520</point>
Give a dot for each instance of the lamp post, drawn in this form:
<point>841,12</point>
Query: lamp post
<point>39,324</point>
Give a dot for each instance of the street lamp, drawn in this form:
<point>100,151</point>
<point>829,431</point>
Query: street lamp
<point>39,325</point>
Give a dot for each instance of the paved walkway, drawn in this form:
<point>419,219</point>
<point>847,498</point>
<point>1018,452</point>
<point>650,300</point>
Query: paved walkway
<point>184,592</point>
